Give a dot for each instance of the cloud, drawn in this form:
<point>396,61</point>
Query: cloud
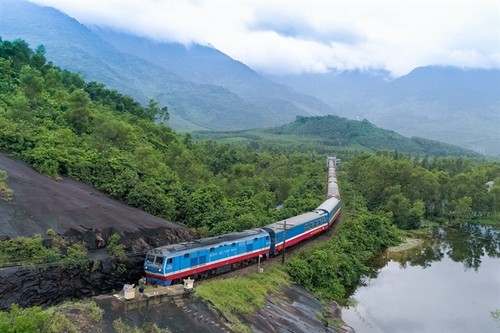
<point>313,36</point>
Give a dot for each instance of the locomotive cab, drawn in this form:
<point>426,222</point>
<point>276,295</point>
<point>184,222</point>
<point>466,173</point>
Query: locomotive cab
<point>156,263</point>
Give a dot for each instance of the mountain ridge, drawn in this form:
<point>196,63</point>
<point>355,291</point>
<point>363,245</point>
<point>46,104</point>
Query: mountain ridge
<point>325,132</point>
<point>191,105</point>
<point>444,103</point>
<point>205,89</point>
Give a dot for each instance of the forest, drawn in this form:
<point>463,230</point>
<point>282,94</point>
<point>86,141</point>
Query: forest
<point>66,127</point>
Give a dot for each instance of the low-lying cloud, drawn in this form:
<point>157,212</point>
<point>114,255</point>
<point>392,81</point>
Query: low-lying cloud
<point>280,37</point>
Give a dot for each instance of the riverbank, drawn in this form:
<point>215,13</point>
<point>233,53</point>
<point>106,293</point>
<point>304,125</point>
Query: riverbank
<point>407,244</point>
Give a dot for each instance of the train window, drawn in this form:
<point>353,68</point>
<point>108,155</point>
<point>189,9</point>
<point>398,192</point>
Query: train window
<point>150,259</point>
<point>255,239</point>
<point>307,226</point>
<point>169,260</point>
<point>267,237</point>
<point>212,249</point>
<point>233,244</point>
<point>159,260</point>
<point>186,255</point>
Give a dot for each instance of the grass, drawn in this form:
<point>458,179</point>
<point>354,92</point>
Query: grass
<point>243,295</point>
<point>87,308</point>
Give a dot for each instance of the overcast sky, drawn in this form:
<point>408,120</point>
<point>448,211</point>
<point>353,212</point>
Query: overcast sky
<point>280,37</point>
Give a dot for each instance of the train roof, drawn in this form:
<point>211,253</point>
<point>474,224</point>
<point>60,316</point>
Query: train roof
<point>208,242</point>
<point>329,204</point>
<point>295,220</point>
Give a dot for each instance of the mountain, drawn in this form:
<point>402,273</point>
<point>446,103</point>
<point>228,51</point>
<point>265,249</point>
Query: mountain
<point>205,89</point>
<point>324,133</point>
<point>192,105</point>
<point>207,65</point>
<point>449,104</point>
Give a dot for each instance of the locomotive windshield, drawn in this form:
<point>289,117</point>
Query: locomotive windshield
<point>159,260</point>
<point>150,259</point>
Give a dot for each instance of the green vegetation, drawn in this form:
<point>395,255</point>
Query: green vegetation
<point>5,192</point>
<point>27,251</point>
<point>77,256</point>
<point>88,308</point>
<point>439,189</point>
<point>384,188</point>
<point>324,133</point>
<point>30,251</point>
<point>64,126</point>
<point>116,249</point>
<point>51,320</point>
<point>496,315</point>
<point>28,320</point>
<point>242,295</point>
<point>333,269</point>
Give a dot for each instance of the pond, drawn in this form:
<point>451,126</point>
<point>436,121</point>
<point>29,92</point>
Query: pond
<point>450,283</point>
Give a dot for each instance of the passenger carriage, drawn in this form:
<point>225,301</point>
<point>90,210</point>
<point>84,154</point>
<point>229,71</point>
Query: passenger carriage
<point>304,226</point>
<point>332,206</point>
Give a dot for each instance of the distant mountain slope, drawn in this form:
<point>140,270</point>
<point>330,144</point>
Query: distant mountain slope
<point>327,133</point>
<point>192,105</point>
<point>457,106</point>
<point>207,65</point>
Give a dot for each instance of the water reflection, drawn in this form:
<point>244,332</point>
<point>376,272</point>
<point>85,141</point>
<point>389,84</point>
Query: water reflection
<point>449,283</point>
<point>466,243</point>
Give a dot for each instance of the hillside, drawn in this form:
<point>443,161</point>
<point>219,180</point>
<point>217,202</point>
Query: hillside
<point>325,133</point>
<point>72,208</point>
<point>193,103</point>
<point>453,105</point>
<point>207,65</point>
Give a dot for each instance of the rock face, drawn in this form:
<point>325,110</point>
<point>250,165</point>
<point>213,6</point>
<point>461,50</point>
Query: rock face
<point>76,212</point>
<point>296,310</point>
<point>52,285</point>
<point>49,285</point>
<point>66,206</point>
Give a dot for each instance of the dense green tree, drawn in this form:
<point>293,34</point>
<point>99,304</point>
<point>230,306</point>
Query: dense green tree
<point>31,82</point>
<point>79,112</point>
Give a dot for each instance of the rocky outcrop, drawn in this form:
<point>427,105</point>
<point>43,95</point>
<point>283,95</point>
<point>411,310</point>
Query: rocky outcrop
<point>296,310</point>
<point>74,212</point>
<point>51,284</point>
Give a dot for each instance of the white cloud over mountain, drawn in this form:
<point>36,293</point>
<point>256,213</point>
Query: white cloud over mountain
<point>313,36</point>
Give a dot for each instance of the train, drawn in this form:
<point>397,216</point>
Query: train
<point>170,264</point>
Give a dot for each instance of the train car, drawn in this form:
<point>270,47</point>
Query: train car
<point>298,228</point>
<point>332,186</point>
<point>205,256</point>
<point>332,207</point>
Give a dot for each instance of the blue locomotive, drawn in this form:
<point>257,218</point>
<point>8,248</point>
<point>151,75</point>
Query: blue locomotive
<point>207,256</point>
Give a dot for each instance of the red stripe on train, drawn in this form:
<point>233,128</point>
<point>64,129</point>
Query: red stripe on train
<point>294,241</point>
<point>206,267</point>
